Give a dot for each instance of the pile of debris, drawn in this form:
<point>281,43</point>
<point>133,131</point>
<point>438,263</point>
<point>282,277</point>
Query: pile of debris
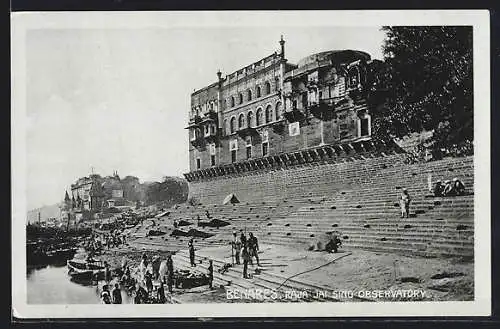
<point>192,232</point>
<point>186,279</point>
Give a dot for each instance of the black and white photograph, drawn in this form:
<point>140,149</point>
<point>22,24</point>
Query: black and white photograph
<point>274,163</point>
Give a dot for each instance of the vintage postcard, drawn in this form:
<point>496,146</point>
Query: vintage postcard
<point>250,164</point>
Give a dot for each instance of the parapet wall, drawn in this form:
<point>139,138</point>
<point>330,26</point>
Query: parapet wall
<point>306,181</point>
<point>311,180</point>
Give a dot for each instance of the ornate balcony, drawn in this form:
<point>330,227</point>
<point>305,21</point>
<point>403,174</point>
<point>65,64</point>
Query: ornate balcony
<point>211,136</point>
<point>210,115</point>
<point>279,127</point>
<point>192,125</point>
<point>248,131</point>
<point>294,115</point>
<point>322,110</point>
<point>198,142</point>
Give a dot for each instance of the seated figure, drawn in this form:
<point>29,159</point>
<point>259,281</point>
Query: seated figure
<point>458,187</point>
<point>333,244</point>
<point>448,188</point>
<point>438,188</point>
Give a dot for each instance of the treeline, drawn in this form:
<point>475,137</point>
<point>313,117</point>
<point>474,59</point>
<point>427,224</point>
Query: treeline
<point>427,84</point>
<point>170,190</point>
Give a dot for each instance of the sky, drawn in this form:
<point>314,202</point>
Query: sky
<point>118,99</point>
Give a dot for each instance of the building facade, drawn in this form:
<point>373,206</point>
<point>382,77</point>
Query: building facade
<point>87,194</point>
<point>272,113</point>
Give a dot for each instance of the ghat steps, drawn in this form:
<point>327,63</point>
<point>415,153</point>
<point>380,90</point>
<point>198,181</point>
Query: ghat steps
<point>361,203</point>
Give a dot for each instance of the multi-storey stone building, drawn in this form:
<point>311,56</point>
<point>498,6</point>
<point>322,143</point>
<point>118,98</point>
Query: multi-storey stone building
<point>272,114</point>
<point>87,194</point>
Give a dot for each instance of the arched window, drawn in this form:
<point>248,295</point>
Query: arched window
<point>258,117</point>
<point>250,119</point>
<point>269,114</point>
<point>268,88</point>
<point>241,121</point>
<point>258,91</point>
<point>225,104</point>
<point>226,127</point>
<point>211,106</point>
<point>232,101</point>
<point>278,110</point>
<point>240,98</point>
<point>233,125</point>
<point>249,95</point>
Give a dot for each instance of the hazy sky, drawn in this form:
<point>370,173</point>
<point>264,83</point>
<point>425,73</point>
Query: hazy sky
<point>118,99</point>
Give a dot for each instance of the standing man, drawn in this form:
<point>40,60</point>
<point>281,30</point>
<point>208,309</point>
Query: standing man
<point>236,248</point>
<point>149,282</point>
<point>405,203</point>
<point>107,272</point>
<point>210,272</point>
<point>170,273</point>
<point>246,258</point>
<point>105,297</point>
<point>117,294</point>
<point>161,293</point>
<point>243,239</point>
<point>141,295</point>
<point>191,252</point>
<point>253,245</point>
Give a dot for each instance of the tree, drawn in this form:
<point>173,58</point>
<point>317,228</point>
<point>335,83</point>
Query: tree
<point>130,186</point>
<point>429,85</point>
<point>171,190</point>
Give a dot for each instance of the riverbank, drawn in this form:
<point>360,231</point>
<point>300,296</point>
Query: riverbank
<point>438,279</point>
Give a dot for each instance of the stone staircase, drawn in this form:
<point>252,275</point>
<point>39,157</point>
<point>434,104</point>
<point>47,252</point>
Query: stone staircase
<point>361,203</point>
<point>367,216</point>
<point>248,217</point>
<point>233,279</point>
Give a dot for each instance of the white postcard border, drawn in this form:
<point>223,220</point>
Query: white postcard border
<point>479,19</point>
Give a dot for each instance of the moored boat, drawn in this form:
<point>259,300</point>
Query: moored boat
<point>85,270</point>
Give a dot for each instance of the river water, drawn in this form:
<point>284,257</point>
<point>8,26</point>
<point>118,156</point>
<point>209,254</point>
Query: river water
<point>52,285</point>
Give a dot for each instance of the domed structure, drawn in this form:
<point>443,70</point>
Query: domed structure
<point>335,57</point>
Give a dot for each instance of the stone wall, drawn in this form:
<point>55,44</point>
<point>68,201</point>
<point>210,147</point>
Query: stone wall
<point>306,181</point>
<point>317,179</point>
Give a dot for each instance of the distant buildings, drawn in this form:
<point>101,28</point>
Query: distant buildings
<point>87,194</point>
<point>94,193</point>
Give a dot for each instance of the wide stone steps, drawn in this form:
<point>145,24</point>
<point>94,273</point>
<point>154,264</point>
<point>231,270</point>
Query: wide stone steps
<point>408,233</point>
<point>264,280</point>
<point>405,248</point>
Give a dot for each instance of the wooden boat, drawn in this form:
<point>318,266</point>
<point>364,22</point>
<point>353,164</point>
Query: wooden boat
<point>49,255</point>
<point>83,276</point>
<point>81,270</point>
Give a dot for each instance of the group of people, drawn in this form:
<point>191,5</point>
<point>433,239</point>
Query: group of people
<point>113,297</point>
<point>448,188</point>
<point>96,242</point>
<point>152,270</point>
<point>245,249</point>
<point>140,284</point>
<point>192,261</point>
